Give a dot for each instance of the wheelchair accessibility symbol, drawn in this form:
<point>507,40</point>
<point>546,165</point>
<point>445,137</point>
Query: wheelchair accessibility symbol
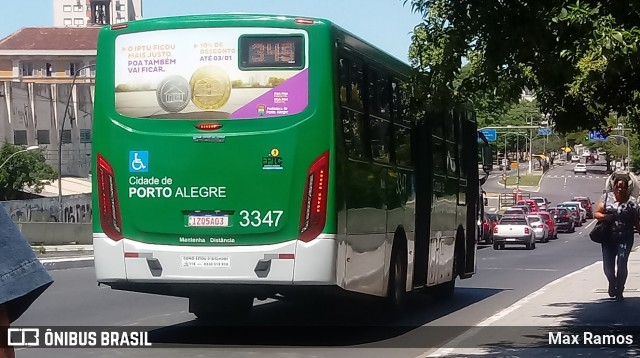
<point>139,161</point>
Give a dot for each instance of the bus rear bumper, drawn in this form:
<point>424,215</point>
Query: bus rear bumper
<point>288,263</point>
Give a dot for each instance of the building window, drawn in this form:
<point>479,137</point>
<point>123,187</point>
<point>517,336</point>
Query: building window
<point>43,136</point>
<point>73,68</point>
<point>26,68</point>
<point>20,137</point>
<point>66,136</point>
<point>120,7</point>
<point>66,8</point>
<point>48,70</point>
<point>100,14</point>
<point>68,22</point>
<point>77,8</point>
<point>78,22</point>
<point>85,136</point>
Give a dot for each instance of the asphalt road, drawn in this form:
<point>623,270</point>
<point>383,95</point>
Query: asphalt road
<point>503,278</point>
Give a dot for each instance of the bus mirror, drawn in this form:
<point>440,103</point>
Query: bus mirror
<point>487,159</point>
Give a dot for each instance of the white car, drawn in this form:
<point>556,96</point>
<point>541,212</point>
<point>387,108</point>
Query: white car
<point>543,203</point>
<point>513,229</point>
<point>540,229</point>
<point>575,158</point>
<point>580,169</point>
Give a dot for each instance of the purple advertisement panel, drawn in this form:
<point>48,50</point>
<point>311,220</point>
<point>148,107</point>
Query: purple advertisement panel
<point>290,97</point>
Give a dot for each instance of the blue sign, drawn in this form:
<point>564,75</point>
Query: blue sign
<point>596,135</point>
<point>490,134</point>
<point>544,131</point>
<point>138,161</point>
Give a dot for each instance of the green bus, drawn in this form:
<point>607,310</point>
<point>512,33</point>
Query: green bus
<point>255,156</point>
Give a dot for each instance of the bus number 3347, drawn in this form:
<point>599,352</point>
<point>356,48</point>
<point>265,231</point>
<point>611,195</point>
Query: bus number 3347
<point>256,218</point>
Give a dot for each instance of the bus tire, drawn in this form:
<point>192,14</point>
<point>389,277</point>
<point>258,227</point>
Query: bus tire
<point>396,288</point>
<point>222,309</point>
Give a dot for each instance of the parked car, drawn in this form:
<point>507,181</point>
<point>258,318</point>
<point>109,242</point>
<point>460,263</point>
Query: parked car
<point>580,169</point>
<point>587,204</point>
<point>513,229</point>
<point>543,203</point>
<point>540,229</point>
<point>550,222</point>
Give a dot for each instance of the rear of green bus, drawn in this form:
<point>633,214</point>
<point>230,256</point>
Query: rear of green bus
<point>212,153</point>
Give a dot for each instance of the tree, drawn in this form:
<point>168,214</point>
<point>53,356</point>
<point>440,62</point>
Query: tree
<point>580,58</point>
<point>26,169</point>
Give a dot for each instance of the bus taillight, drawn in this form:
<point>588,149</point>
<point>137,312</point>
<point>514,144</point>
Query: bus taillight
<point>110,219</point>
<point>314,201</point>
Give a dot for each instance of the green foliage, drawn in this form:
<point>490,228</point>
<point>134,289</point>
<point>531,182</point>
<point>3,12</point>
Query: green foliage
<point>580,58</point>
<point>25,169</point>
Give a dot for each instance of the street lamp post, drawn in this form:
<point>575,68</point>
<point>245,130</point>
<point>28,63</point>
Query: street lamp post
<point>33,147</point>
<point>64,117</point>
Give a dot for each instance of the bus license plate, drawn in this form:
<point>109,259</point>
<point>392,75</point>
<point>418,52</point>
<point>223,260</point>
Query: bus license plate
<point>208,221</point>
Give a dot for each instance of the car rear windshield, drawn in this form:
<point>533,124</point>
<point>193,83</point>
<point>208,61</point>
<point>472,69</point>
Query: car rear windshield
<point>514,221</point>
<point>559,211</point>
<point>534,218</point>
<point>545,216</point>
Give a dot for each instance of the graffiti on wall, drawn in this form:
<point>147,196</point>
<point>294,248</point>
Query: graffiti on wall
<point>75,209</point>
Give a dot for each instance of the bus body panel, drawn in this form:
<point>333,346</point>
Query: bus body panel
<point>314,263</point>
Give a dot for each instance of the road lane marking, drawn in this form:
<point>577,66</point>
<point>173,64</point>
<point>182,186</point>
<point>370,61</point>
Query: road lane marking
<point>69,259</point>
<point>519,269</point>
<point>441,352</point>
<point>591,223</point>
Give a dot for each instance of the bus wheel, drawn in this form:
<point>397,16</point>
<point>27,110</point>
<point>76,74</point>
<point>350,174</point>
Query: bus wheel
<point>221,309</point>
<point>396,291</point>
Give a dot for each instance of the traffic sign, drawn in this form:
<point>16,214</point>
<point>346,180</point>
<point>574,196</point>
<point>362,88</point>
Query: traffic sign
<point>544,131</point>
<point>490,134</point>
<point>596,135</point>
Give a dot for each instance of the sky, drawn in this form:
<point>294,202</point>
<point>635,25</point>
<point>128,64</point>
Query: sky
<point>387,24</point>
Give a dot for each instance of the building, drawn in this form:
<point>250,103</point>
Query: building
<point>38,103</point>
<point>37,68</point>
<point>81,13</point>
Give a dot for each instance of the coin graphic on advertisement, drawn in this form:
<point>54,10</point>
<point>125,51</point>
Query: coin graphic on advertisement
<point>210,87</point>
<point>173,94</point>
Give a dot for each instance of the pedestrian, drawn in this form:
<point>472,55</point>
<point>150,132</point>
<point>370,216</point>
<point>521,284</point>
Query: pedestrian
<point>22,278</point>
<point>620,210</point>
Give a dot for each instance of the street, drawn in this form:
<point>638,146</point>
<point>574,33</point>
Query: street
<point>503,278</point>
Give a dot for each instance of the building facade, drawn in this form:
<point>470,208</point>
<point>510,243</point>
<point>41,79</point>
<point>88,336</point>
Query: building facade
<point>37,69</point>
<point>81,13</point>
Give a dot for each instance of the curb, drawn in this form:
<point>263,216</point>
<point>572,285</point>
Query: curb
<point>64,263</point>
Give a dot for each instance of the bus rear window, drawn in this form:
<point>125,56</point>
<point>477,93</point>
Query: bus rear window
<point>211,73</point>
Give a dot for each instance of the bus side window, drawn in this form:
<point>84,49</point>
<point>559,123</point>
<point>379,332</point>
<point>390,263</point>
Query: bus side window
<point>356,82</point>
<point>402,144</point>
<point>352,131</point>
<point>343,80</point>
<point>379,129</point>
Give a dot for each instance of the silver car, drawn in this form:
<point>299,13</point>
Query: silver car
<point>540,228</point>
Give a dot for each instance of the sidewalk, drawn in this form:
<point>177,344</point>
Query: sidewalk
<point>572,305</point>
<point>62,257</point>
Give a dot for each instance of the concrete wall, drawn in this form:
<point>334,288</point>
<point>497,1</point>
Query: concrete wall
<point>75,209</point>
<point>57,233</point>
